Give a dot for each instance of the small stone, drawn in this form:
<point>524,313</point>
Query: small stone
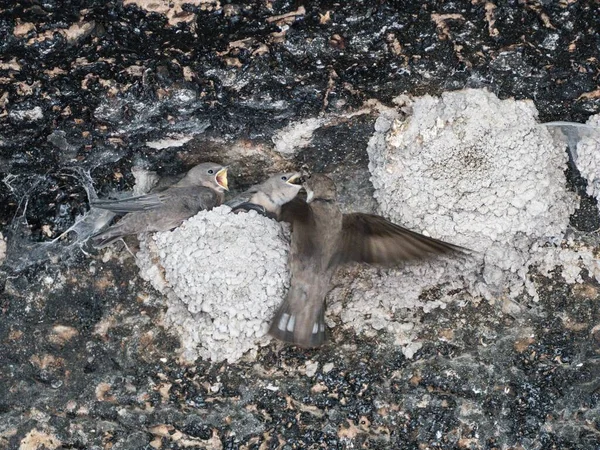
<point>521,344</point>
<point>26,115</point>
<point>102,391</point>
<point>328,367</point>
<point>2,248</point>
<point>311,368</point>
<point>37,439</point>
<point>71,406</point>
<point>409,350</point>
<point>61,334</point>
<point>382,124</point>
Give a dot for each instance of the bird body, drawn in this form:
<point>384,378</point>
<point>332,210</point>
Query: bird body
<point>202,188</point>
<point>269,196</point>
<point>322,239</point>
<point>312,262</point>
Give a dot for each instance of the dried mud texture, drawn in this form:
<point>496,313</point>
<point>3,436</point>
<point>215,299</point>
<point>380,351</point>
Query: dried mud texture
<point>85,361</point>
<point>471,167</point>
<point>479,172</point>
<point>223,276</point>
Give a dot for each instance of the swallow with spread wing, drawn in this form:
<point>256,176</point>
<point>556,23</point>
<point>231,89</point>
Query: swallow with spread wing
<point>322,239</point>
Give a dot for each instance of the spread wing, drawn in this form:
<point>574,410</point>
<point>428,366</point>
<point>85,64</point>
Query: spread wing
<point>300,216</point>
<point>375,240</point>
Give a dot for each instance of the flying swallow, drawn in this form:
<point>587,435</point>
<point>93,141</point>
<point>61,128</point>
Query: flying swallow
<point>322,239</point>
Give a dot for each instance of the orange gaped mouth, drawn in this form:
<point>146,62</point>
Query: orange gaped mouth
<point>221,178</point>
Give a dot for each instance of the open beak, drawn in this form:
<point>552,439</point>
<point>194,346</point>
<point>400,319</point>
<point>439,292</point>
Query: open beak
<point>295,179</point>
<point>221,178</point>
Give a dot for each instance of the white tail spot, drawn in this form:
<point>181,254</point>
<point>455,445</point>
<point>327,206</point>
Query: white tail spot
<point>283,321</point>
<point>291,323</point>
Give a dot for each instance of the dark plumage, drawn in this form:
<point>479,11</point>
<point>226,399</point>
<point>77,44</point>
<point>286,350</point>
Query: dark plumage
<point>201,188</point>
<point>269,196</point>
<point>322,239</point>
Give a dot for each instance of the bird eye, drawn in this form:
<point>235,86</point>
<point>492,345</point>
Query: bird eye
<point>210,171</point>
<point>284,178</point>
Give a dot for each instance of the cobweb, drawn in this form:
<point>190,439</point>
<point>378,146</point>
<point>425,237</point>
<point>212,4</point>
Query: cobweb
<point>583,141</point>
<point>22,252</point>
<point>572,133</point>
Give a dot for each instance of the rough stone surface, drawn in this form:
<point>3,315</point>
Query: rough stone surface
<point>118,84</point>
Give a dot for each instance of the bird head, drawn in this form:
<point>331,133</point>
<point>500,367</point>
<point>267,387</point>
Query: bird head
<point>283,187</point>
<point>221,178</point>
<point>319,187</point>
<point>293,179</point>
<point>207,174</point>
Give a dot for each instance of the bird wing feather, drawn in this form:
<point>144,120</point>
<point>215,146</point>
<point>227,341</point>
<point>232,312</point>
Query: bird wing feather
<point>241,198</point>
<point>139,203</point>
<point>301,218</point>
<point>372,239</point>
<point>203,197</point>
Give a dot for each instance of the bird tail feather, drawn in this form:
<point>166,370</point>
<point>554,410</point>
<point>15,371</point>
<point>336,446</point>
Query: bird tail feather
<point>105,238</point>
<point>305,328</point>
